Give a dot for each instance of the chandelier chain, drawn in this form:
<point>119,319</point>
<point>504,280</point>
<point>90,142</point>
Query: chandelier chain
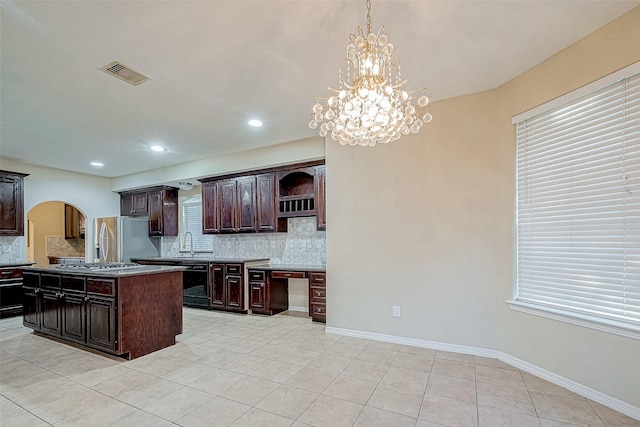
<point>368,16</point>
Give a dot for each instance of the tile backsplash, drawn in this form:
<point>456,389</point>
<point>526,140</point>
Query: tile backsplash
<point>61,247</point>
<point>303,244</point>
<point>11,249</point>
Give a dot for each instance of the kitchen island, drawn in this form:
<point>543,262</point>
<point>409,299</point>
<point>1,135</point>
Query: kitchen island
<point>125,309</point>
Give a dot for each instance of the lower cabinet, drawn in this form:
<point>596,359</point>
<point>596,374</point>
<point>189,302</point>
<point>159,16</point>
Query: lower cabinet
<point>227,287</point>
<point>267,295</point>
<point>101,323</point>
<point>85,314</point>
<point>318,297</point>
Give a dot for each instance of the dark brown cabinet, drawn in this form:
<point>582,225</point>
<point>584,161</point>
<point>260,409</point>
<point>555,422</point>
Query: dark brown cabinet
<point>262,202</point>
<point>11,290</point>
<point>267,219</point>
<point>216,272</point>
<point>73,223</point>
<point>11,203</point>
<point>227,287</point>
<point>131,315</point>
<point>71,307</point>
<point>133,203</point>
<point>210,209</point>
<point>318,297</point>
<point>321,175</point>
<point>160,204</point>
<point>267,295</point>
<point>163,212</point>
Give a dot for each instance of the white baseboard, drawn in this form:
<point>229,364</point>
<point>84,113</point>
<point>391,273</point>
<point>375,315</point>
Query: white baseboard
<point>589,393</point>
<point>298,308</point>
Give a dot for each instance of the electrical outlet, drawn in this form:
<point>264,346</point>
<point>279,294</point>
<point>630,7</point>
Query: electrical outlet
<point>396,310</point>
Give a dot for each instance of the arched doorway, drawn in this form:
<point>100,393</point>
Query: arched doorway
<point>55,234</point>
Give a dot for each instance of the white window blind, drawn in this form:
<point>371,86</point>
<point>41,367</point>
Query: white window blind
<point>578,207</point>
<point>192,220</point>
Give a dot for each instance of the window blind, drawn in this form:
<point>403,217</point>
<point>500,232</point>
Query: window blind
<point>192,219</point>
<point>578,206</point>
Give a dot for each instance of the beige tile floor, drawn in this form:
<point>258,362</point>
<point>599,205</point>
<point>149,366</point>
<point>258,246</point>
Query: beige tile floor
<point>283,370</point>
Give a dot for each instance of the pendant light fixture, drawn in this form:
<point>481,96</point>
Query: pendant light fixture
<point>371,105</point>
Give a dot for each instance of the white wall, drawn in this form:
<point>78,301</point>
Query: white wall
<point>275,155</point>
<point>426,223</point>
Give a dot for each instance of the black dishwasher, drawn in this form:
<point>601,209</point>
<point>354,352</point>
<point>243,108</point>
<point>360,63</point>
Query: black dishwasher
<point>195,285</point>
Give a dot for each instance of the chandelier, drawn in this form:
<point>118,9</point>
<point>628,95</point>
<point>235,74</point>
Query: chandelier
<point>371,105</point>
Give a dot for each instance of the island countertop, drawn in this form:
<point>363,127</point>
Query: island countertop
<point>199,259</point>
<point>107,272</point>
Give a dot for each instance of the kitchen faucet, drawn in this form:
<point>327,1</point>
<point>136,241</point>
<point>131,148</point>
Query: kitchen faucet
<point>184,243</point>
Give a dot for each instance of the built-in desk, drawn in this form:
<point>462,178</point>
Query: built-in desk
<point>269,288</point>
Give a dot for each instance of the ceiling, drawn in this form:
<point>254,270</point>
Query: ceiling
<point>216,64</point>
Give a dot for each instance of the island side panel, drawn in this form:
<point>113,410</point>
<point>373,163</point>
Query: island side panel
<point>149,312</point>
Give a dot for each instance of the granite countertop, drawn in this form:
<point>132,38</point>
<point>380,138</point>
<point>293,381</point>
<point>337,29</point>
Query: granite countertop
<point>290,267</point>
<point>110,272</point>
<point>16,264</point>
<point>196,259</point>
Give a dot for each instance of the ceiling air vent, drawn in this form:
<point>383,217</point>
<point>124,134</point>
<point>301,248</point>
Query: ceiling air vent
<point>121,71</point>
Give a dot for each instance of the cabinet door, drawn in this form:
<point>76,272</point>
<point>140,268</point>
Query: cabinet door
<point>227,200</point>
<point>321,174</point>
<point>11,205</point>
<point>101,323</point>
<point>233,288</point>
<point>31,308</point>
<point>139,203</point>
<point>246,204</point>
<point>257,295</point>
<point>73,317</point>
<point>216,273</point>
<point>71,222</point>
<point>266,202</point>
<point>154,201</point>
<point>125,205</point>
<point>210,210</point>
<point>50,321</point>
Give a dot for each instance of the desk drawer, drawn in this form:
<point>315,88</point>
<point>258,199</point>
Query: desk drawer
<point>317,294</point>
<point>317,278</point>
<point>256,275</point>
<point>319,312</point>
<point>288,274</point>
<point>234,269</point>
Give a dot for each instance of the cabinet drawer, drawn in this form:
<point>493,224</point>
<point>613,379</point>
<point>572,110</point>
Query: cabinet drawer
<point>256,275</point>
<point>318,310</point>
<point>317,278</point>
<point>101,287</point>
<point>288,274</point>
<point>234,269</point>
<point>11,273</point>
<point>73,283</point>
<point>317,294</point>
<point>50,281</point>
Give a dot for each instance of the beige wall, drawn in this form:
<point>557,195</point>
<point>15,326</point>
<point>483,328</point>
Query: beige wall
<point>48,220</point>
<point>426,223</point>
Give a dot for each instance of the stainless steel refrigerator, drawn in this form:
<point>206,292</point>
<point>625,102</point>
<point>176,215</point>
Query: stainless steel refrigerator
<point>118,239</point>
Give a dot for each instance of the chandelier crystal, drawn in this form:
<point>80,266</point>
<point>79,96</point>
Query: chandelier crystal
<point>371,105</point>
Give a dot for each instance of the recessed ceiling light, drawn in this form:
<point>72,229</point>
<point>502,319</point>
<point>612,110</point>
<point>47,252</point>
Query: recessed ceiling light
<point>97,164</point>
<point>157,148</point>
<point>255,123</point>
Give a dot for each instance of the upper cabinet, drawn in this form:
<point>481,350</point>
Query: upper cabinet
<point>262,202</point>
<point>11,203</point>
<point>134,203</point>
<point>74,227</point>
<point>163,211</point>
<point>160,204</point>
<point>296,192</point>
<point>321,175</point>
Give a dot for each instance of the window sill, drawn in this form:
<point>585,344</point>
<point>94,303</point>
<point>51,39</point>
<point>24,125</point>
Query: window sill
<point>610,326</point>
